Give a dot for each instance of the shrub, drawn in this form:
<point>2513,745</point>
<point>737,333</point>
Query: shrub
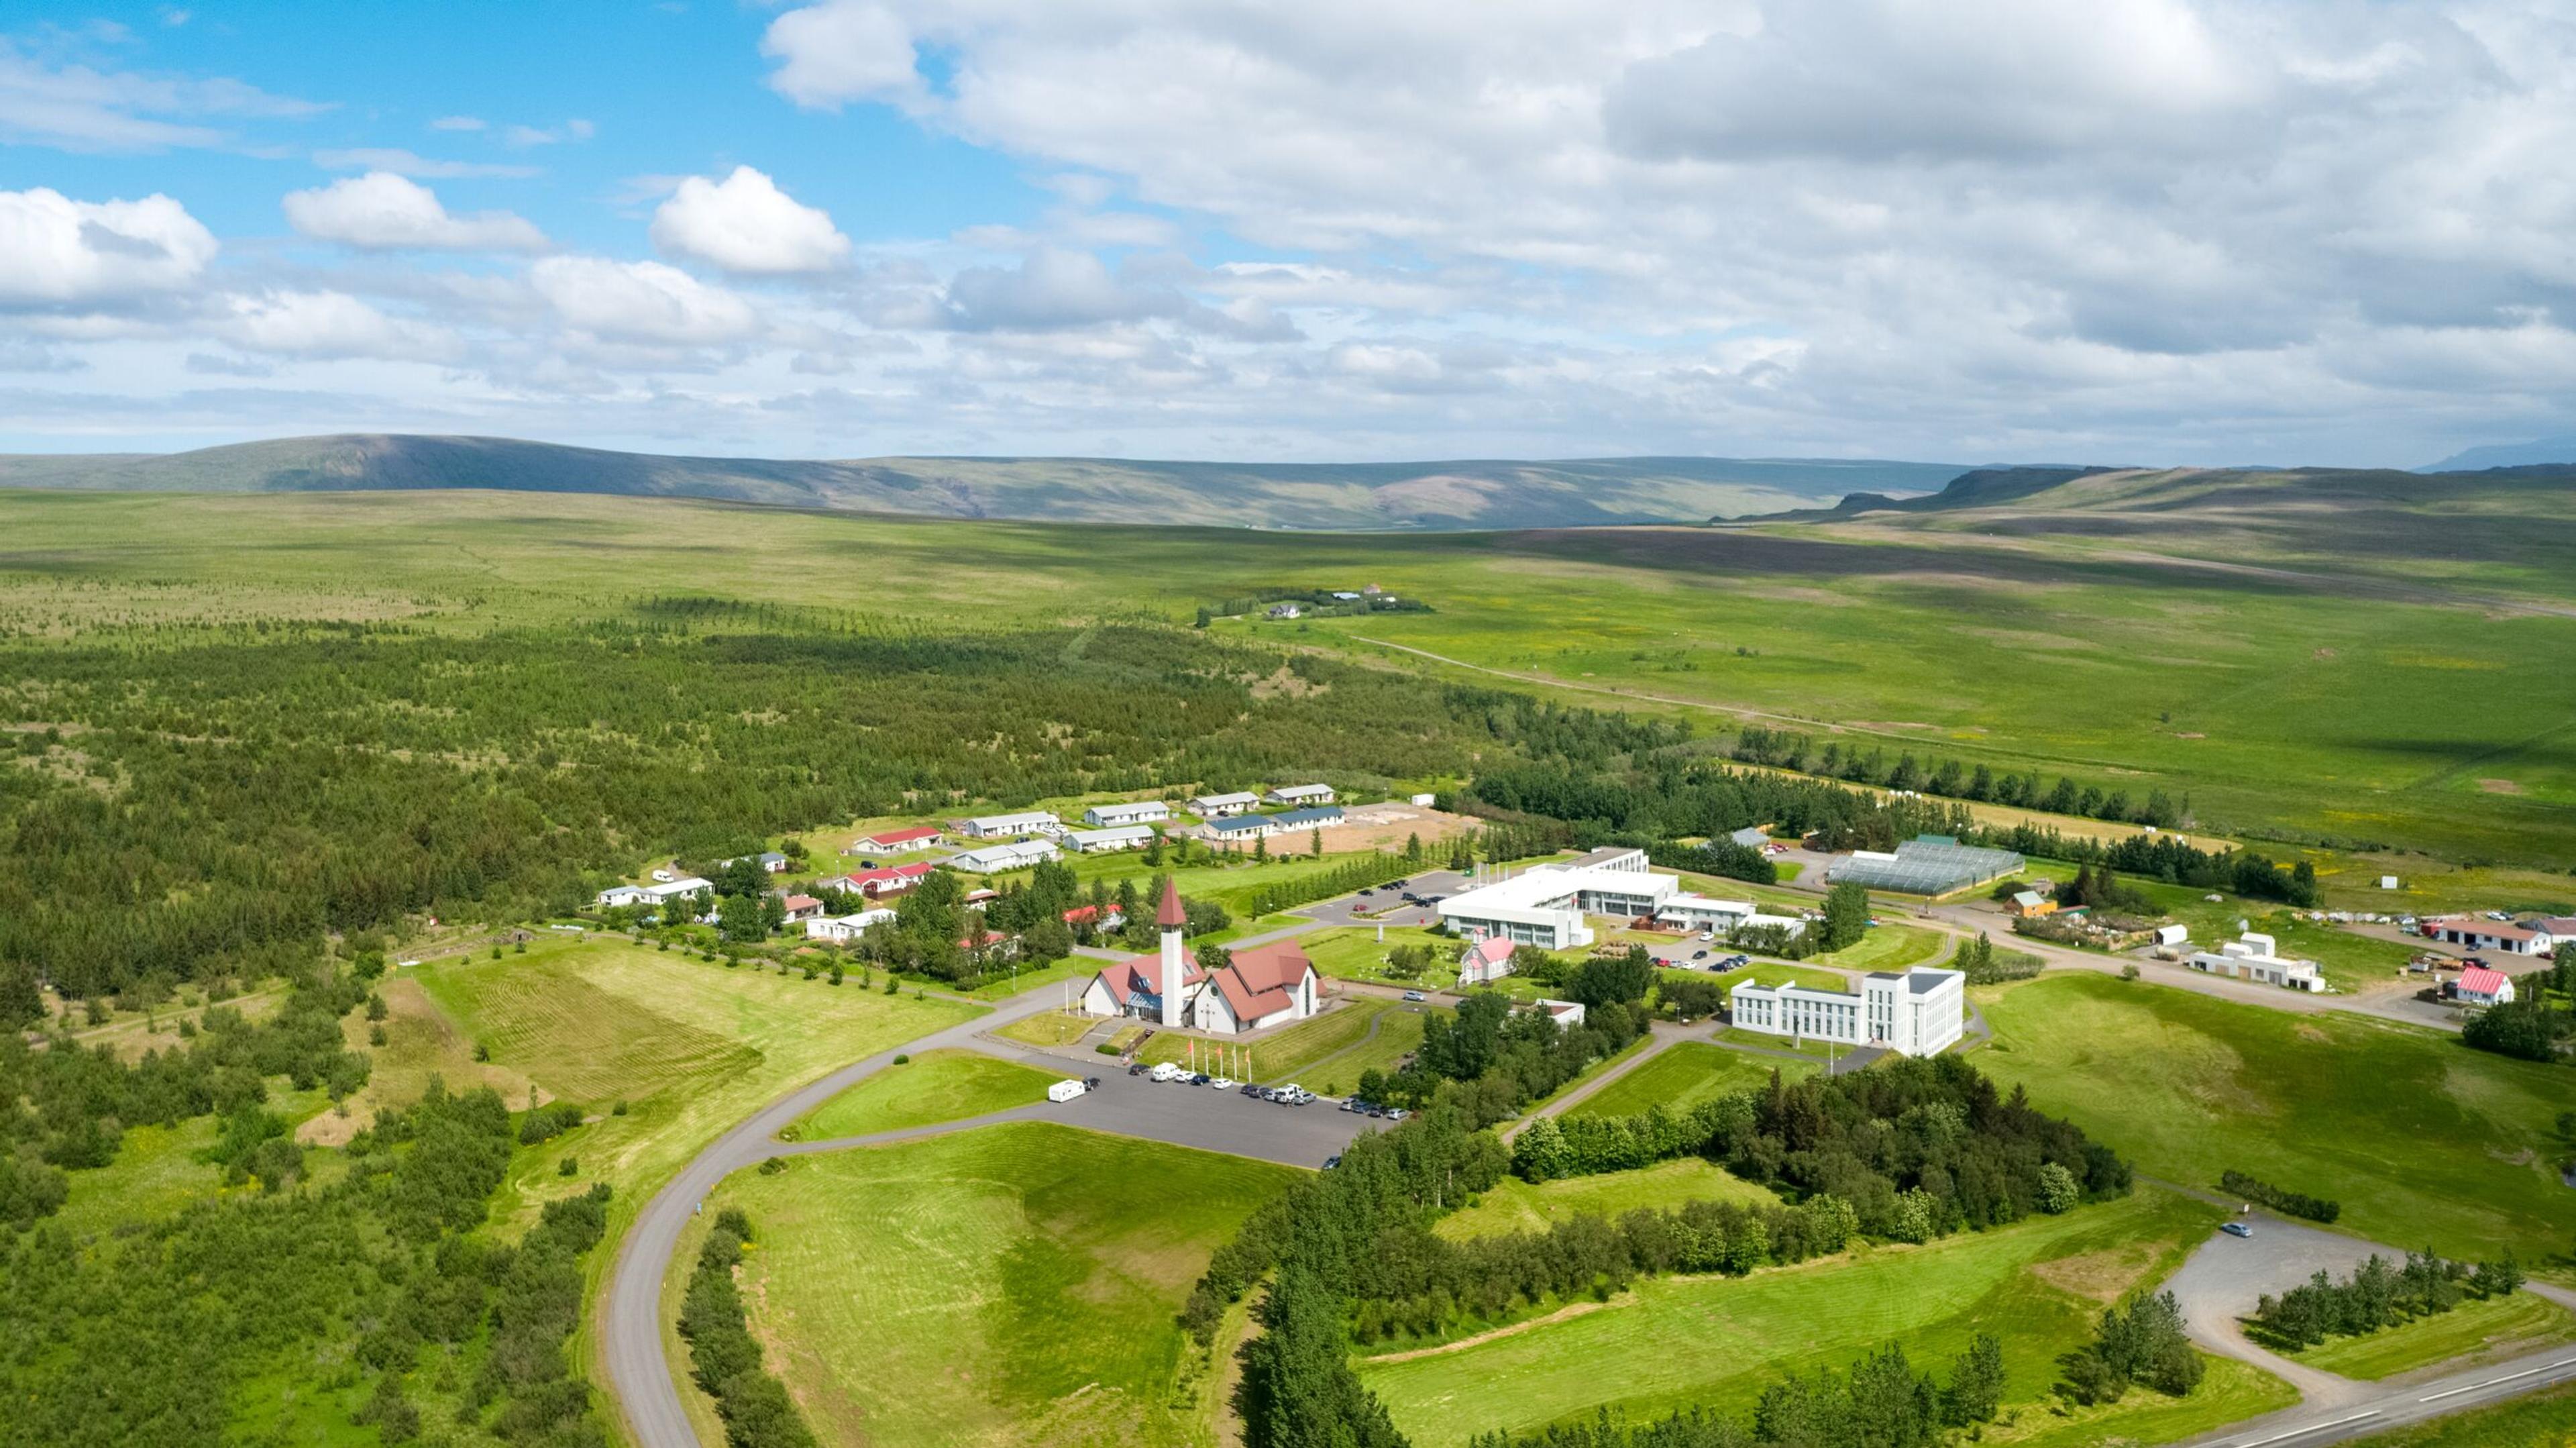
<point>2290,1203</point>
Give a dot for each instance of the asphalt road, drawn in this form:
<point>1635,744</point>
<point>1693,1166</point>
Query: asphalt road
<point>639,1374</point>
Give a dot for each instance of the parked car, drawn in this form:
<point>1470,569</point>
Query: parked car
<point>1199,1078</point>
<point>1139,1069</point>
<point>1090,1083</point>
<point>1166,1071</point>
<point>1377,1111</point>
<point>2237,1229</point>
<point>1332,1161</point>
<point>1415,995</point>
<point>1365,890</point>
<point>1397,1113</point>
<point>1699,955</point>
<point>1250,1089</point>
<point>1223,1083</point>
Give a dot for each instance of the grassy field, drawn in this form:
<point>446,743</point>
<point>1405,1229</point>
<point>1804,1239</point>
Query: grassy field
<point>2321,703</point>
<point>691,1047</point>
<point>1717,1341</point>
<point>1355,953</point>
<point>156,1171</point>
<point>1014,1284</point>
<point>1889,947</point>
<point>1517,1206</point>
<point>2423,1140</point>
<point>935,1086</point>
<point>1329,1050</point>
<point>2543,1420</point>
<point>2497,1327</point>
<point>1049,1028</point>
<point>1684,1075</point>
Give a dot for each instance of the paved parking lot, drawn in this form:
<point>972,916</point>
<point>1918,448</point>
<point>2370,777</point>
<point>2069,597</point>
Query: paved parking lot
<point>1346,909</point>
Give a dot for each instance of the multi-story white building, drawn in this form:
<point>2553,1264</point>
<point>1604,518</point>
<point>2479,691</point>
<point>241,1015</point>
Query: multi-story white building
<point>1007,826</point>
<point>1544,905</point>
<point>2252,956</point>
<point>1919,1012</point>
<point>1139,812</point>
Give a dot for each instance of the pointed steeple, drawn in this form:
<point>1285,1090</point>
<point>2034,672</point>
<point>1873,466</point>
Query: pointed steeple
<point>1171,916</point>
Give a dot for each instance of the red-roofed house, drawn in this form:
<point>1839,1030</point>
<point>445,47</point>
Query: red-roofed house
<point>1131,988</point>
<point>1486,961</point>
<point>2471,933</point>
<point>895,842</point>
<point>1091,915</point>
<point>886,879</point>
<point>2479,986</point>
<point>1266,985</point>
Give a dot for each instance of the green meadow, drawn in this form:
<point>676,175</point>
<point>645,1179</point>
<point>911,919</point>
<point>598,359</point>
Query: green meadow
<point>1675,1342</point>
<point>932,1087</point>
<point>1685,1074</point>
<point>2473,1331</point>
<point>1514,1205</point>
<point>2423,1141</point>
<point>2319,705</point>
<point>1012,1284</point>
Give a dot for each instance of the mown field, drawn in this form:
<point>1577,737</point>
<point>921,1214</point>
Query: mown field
<point>1718,1341</point>
<point>1323,1053</point>
<point>1006,1285</point>
<point>1684,1075</point>
<point>1517,1206</point>
<point>2471,1332</point>
<point>2423,1141</point>
<point>2317,704</point>
<point>933,1087</point>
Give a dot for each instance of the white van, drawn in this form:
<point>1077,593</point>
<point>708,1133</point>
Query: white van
<point>1166,1071</point>
<point>1065,1090</point>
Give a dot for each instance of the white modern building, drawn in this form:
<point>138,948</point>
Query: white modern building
<point>842,929</point>
<point>1014,855</point>
<point>1544,905</point>
<point>2252,956</point>
<point>1220,806</point>
<point>1300,794</point>
<point>1918,1012</point>
<point>1125,837</point>
<point>1009,826</point>
<point>657,894</point>
<point>1140,812</point>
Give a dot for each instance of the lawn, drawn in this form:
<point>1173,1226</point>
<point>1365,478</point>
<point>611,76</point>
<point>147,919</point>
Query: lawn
<point>1355,953</point>
<point>1013,1284</point>
<point>692,1047</point>
<point>1332,1049</point>
<point>1079,969</point>
<point>1676,1342</point>
<point>2543,1420</point>
<point>1048,1028</point>
<point>1888,947</point>
<point>934,1086</point>
<point>1684,1075</point>
<point>1767,973</point>
<point>1516,1206</point>
<point>2424,1141</point>
<point>1763,1041</point>
<point>2494,1328</point>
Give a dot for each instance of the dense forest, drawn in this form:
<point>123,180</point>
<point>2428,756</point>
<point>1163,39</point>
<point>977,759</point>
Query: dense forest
<point>190,803</point>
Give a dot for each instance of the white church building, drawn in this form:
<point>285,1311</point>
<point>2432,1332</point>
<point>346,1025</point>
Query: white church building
<point>1258,987</point>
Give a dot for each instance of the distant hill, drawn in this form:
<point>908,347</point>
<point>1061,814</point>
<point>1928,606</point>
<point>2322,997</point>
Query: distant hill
<point>1976,488</point>
<point>1334,497</point>
<point>2545,451</point>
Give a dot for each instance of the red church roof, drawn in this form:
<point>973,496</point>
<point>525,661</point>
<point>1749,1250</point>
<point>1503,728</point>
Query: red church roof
<point>1171,916</point>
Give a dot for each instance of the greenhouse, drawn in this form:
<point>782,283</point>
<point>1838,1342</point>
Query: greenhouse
<point>1924,865</point>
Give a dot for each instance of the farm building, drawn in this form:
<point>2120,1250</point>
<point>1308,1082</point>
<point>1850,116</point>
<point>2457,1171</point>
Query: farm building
<point>2480,986</point>
<point>1564,1015</point>
<point>1257,987</point>
<point>2252,957</point>
<point>1010,855</point>
<point>1285,610</point>
<point>2471,933</point>
<point>1244,829</point>
<point>884,879</point>
<point>1010,826</point>
<point>842,929</point>
<point>2031,904</point>
<point>1300,794</point>
<point>656,894</point>
<point>1220,806</point>
<point>1751,837</point>
<point>895,842</point>
<point>1125,837</point>
<point>1924,865</point>
<point>1917,1012</point>
<point>1137,812</point>
<point>1485,961</point>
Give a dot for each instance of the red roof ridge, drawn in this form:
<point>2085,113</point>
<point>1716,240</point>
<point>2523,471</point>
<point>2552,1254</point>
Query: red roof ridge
<point>1170,915</point>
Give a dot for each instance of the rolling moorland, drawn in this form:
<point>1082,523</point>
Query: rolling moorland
<point>257,731</point>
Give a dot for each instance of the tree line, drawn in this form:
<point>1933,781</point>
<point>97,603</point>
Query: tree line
<point>1785,749</point>
<point>2376,1295</point>
<point>724,1358</point>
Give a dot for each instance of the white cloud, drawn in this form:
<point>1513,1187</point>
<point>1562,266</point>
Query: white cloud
<point>457,123</point>
<point>841,51</point>
<point>60,252</point>
<point>540,136</point>
<point>79,108</point>
<point>641,301</point>
<point>381,211</point>
<point>324,324</point>
<point>744,223</point>
<point>407,163</point>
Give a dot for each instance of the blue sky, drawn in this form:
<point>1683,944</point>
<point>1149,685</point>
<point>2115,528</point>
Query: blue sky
<point>2154,231</point>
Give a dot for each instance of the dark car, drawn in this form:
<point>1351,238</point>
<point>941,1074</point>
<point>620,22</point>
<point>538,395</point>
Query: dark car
<point>1368,892</point>
<point>1139,1069</point>
<point>1199,1078</point>
<point>1332,1161</point>
<point>1250,1089</point>
<point>1090,1083</point>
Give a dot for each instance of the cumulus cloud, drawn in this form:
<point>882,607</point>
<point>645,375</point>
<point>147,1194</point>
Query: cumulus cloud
<point>381,211</point>
<point>60,252</point>
<point>325,324</point>
<point>841,51</point>
<point>744,223</point>
<point>641,301</point>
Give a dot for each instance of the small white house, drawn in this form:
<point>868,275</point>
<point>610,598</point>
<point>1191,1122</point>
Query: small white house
<point>1011,826</point>
<point>2252,957</point>
<point>655,894</point>
<point>1300,794</point>
<point>1115,816</point>
<point>1126,837</point>
<point>2480,986</point>
<point>1485,961</point>
<point>2172,934</point>
<point>1222,806</point>
<point>842,929</point>
<point>1014,855</point>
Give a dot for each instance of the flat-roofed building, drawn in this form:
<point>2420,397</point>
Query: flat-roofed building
<point>1221,806</point>
<point>1918,1012</point>
<point>1300,794</point>
<point>1135,812</point>
<point>1012,855</point>
<point>1007,826</point>
<point>2251,956</point>
<point>1125,837</point>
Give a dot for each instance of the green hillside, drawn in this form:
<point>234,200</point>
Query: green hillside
<point>1331,497</point>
